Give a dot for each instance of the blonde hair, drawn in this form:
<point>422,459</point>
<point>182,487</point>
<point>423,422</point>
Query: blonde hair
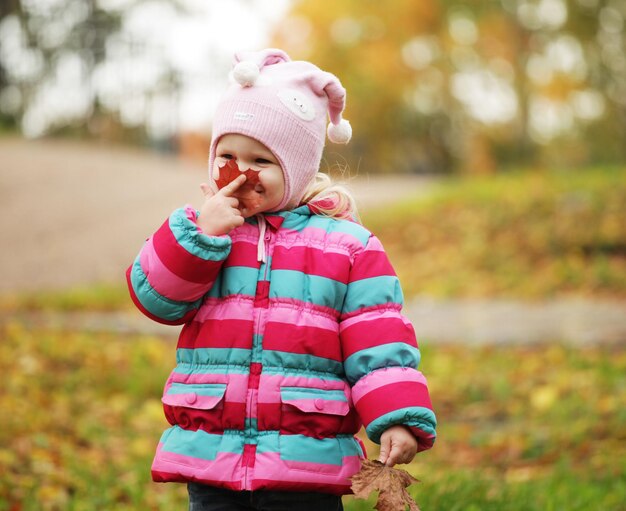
<point>330,199</point>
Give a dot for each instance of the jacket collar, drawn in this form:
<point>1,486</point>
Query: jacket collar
<point>277,219</point>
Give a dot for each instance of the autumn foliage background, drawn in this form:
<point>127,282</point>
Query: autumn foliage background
<point>515,109</point>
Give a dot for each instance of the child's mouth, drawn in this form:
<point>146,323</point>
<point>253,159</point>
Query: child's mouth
<point>249,200</point>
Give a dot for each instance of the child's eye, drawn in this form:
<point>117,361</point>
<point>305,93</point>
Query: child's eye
<point>226,156</point>
<point>262,161</point>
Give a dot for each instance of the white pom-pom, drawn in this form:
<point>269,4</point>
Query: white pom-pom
<point>246,73</point>
<point>340,133</point>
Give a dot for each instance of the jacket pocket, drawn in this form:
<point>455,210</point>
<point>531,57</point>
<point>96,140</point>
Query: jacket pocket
<point>195,405</point>
<point>315,412</point>
<point>311,419</point>
<point>203,396</point>
<point>311,400</point>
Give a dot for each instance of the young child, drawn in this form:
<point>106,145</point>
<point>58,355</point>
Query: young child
<point>293,335</point>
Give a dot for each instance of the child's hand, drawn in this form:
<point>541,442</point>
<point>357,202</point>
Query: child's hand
<point>397,445</point>
<point>219,213</point>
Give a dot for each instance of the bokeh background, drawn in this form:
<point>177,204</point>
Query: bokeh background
<point>489,155</point>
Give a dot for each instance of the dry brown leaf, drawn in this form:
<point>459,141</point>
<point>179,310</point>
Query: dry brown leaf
<point>390,483</point>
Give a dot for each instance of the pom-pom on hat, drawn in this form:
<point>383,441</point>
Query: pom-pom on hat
<point>285,105</point>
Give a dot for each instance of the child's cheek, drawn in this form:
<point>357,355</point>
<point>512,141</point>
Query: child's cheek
<point>271,179</point>
<point>265,179</point>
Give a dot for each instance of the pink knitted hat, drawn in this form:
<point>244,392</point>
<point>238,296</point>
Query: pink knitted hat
<point>283,104</point>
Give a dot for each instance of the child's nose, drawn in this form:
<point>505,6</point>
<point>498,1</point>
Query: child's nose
<point>245,164</point>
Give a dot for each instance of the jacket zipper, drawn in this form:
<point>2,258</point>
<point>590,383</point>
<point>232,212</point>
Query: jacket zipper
<point>249,450</point>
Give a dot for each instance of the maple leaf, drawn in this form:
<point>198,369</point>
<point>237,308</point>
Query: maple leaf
<point>246,192</point>
<point>390,483</point>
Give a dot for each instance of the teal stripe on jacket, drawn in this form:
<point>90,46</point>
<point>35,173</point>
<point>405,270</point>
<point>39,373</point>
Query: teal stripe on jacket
<point>214,356</point>
<point>393,354</point>
<point>235,280</point>
<point>298,222</point>
<point>209,248</point>
<point>329,451</point>
<point>154,302</point>
<point>257,348</point>
<point>341,227</point>
<point>296,393</point>
<point>294,372</point>
<point>286,361</point>
<point>307,288</point>
<point>189,368</point>
<point>199,444</point>
<point>373,291</point>
<point>202,389</point>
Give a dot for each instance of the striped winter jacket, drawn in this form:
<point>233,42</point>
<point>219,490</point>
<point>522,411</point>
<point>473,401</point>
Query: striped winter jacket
<point>279,363</point>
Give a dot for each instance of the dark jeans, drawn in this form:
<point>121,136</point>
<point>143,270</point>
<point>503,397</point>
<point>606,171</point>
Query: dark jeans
<point>208,498</point>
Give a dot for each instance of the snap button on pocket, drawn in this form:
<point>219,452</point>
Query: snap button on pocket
<point>319,404</point>
<point>191,398</point>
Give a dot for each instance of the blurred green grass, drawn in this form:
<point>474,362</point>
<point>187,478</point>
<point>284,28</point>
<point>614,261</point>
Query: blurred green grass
<point>95,297</point>
<point>525,234</point>
<point>520,428</point>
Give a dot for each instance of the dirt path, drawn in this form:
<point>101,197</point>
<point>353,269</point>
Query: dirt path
<point>75,213</point>
<point>471,322</point>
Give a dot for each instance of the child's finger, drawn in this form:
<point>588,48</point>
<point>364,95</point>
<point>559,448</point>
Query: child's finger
<point>394,455</point>
<point>206,190</point>
<point>385,447</point>
<point>231,187</point>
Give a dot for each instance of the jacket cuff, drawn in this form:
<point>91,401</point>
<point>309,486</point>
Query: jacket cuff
<point>421,422</point>
<point>187,233</point>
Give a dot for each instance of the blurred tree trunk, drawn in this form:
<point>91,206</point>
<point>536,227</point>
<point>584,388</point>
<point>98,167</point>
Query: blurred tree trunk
<point>478,157</point>
<point>525,149</point>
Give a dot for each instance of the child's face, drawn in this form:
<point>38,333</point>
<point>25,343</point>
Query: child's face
<point>252,154</point>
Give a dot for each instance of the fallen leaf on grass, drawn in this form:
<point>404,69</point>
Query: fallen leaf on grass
<point>246,192</point>
<point>390,483</point>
